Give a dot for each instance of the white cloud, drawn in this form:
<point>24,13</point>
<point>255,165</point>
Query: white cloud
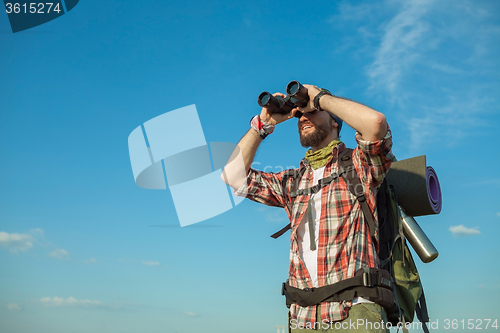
<point>272,214</point>
<point>436,61</point>
<point>398,50</point>
<point>13,306</point>
<point>348,12</point>
<point>460,230</point>
<point>191,314</point>
<point>151,263</point>
<point>276,216</point>
<point>37,231</point>
<point>498,214</point>
<point>16,242</point>
<point>59,254</point>
<point>445,125</point>
<point>68,302</point>
<point>90,261</point>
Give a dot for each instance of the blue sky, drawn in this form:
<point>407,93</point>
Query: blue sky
<point>83,248</point>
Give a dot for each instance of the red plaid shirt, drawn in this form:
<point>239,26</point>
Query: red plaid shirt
<point>344,244</point>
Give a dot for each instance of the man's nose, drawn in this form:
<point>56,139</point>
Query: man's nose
<point>305,117</point>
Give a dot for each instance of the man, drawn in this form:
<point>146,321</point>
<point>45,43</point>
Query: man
<point>330,238</point>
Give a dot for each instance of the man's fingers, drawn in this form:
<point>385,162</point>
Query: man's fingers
<point>305,109</point>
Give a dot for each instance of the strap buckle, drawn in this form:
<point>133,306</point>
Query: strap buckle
<point>361,197</point>
<point>367,280</point>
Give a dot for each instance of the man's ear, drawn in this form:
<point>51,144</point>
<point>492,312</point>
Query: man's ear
<point>335,126</point>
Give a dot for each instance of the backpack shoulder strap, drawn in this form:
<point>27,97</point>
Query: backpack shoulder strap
<point>348,172</point>
<point>297,176</point>
<point>421,311</point>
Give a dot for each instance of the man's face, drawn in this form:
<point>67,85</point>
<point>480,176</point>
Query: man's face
<point>314,127</point>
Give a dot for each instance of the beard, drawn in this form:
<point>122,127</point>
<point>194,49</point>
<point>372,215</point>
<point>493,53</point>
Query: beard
<point>316,135</point>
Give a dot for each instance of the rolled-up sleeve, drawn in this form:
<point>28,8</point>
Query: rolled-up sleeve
<point>264,187</point>
<point>373,158</point>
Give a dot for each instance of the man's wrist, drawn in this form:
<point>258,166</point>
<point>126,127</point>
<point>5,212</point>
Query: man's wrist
<point>316,100</point>
<point>262,128</point>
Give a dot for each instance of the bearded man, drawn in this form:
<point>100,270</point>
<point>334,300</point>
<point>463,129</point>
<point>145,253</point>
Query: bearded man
<point>330,237</point>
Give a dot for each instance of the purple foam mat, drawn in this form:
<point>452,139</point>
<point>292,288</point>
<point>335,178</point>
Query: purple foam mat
<point>417,186</point>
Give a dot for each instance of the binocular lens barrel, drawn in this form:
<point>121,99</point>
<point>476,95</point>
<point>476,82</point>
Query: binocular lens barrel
<point>276,104</point>
<point>297,91</point>
<point>264,99</point>
<point>292,88</point>
<point>296,96</point>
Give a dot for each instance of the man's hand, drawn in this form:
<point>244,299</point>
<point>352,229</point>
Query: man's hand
<point>312,91</point>
<point>276,118</point>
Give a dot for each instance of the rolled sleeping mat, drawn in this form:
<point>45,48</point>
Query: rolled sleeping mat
<point>417,186</point>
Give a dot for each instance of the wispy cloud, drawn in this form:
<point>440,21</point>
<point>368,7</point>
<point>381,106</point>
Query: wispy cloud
<point>72,302</point>
<point>191,314</point>
<point>398,50</point>
<point>150,263</point>
<point>445,125</point>
<point>14,307</point>
<point>16,242</point>
<point>59,254</point>
<point>68,302</point>
<point>276,216</point>
<point>139,262</point>
<point>435,61</point>
<point>272,214</point>
<point>461,230</point>
<point>37,231</point>
<point>90,261</point>
<point>477,182</point>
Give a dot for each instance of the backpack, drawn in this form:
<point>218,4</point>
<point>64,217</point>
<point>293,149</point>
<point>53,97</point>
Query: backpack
<point>396,285</point>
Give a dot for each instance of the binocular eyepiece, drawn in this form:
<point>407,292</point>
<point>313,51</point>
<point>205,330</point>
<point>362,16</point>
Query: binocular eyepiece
<point>297,96</point>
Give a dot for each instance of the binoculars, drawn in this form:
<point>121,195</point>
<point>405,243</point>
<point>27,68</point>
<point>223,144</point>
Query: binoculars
<point>297,96</point>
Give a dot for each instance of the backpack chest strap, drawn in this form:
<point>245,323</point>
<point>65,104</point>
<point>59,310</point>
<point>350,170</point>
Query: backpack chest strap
<point>314,189</point>
<point>348,172</point>
<point>304,191</point>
